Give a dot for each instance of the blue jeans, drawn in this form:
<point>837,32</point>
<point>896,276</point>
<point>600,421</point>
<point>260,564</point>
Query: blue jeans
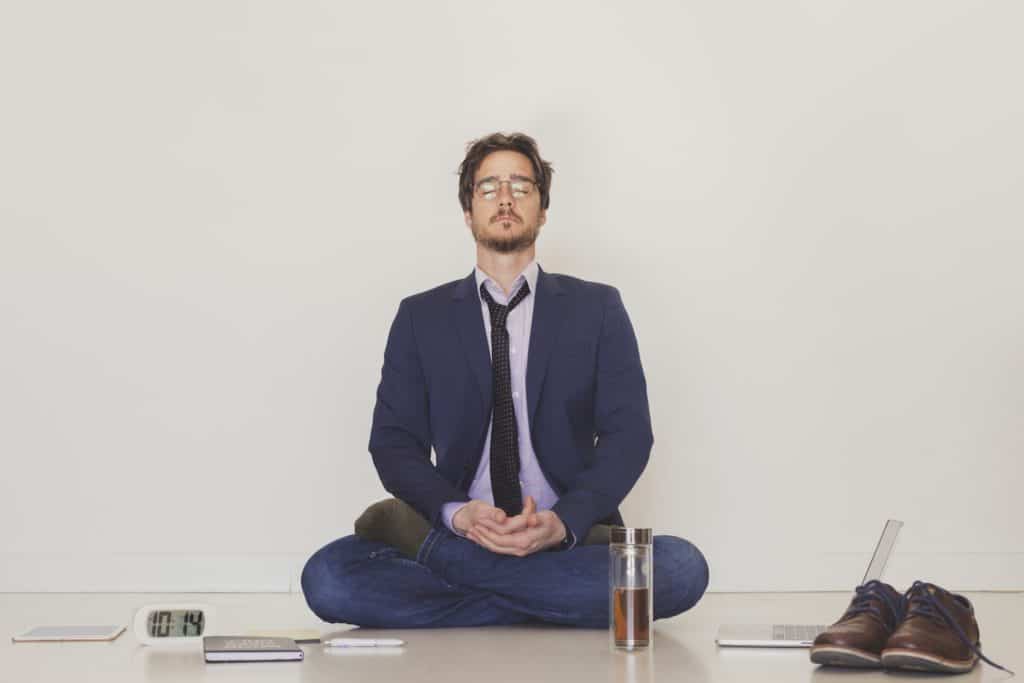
<point>455,582</point>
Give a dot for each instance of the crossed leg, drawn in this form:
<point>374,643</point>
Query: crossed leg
<point>455,582</point>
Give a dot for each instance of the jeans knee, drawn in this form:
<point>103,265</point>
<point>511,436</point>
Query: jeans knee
<point>681,576</point>
<point>325,584</point>
<point>316,580</point>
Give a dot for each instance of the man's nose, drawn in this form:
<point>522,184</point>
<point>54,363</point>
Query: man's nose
<point>505,195</point>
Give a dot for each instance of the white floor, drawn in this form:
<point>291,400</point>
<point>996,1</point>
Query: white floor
<point>684,647</point>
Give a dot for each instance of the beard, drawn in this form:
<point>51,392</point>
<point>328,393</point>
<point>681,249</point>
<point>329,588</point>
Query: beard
<point>507,244</point>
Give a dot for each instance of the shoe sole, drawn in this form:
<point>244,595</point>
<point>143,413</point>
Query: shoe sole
<point>831,655</point>
<point>914,660</point>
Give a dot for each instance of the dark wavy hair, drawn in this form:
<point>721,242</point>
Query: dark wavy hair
<point>495,142</point>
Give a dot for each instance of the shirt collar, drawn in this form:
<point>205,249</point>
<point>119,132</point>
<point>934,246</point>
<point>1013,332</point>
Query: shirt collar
<point>528,275</point>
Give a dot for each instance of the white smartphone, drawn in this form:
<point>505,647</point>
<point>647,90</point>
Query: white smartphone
<point>59,633</point>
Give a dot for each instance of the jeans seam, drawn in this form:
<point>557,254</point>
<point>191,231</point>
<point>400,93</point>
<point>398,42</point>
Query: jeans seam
<point>428,546</point>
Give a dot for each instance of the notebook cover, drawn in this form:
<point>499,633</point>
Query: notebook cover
<point>302,636</point>
<point>246,649</point>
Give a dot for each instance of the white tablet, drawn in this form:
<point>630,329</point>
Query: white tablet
<point>45,633</point>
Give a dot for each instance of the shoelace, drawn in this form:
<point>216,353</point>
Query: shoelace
<point>921,603</point>
<point>862,603</point>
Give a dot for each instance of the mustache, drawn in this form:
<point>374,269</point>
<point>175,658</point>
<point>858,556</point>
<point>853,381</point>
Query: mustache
<point>506,215</point>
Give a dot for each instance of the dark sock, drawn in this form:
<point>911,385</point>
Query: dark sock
<point>599,534</point>
<point>396,523</point>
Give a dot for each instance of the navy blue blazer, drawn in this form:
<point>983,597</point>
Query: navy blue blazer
<point>585,390</point>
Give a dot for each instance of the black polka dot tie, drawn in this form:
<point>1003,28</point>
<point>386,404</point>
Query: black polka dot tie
<point>504,432</point>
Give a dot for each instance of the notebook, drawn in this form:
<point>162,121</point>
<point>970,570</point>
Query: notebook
<point>246,649</point>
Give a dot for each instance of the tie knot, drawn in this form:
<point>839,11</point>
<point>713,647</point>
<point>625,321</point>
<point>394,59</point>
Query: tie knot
<point>499,313</point>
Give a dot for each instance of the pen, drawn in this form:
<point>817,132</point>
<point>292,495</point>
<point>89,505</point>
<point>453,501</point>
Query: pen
<point>363,642</point>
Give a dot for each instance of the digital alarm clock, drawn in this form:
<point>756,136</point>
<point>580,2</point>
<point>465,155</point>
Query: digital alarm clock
<point>173,623</point>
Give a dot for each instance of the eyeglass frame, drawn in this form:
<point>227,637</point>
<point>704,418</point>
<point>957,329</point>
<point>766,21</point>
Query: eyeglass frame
<point>511,179</point>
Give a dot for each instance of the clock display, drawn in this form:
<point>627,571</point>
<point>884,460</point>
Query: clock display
<point>181,623</point>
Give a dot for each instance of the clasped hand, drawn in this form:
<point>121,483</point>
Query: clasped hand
<point>521,535</point>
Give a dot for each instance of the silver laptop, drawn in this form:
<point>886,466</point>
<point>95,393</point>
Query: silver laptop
<point>803,635</point>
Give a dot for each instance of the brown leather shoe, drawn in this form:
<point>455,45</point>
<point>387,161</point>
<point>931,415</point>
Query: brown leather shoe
<point>939,633</point>
<point>857,639</point>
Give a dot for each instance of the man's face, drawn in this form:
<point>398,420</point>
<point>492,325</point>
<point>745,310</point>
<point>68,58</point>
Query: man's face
<point>507,221</point>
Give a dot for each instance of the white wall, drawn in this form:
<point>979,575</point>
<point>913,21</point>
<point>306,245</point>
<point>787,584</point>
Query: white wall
<point>210,210</point>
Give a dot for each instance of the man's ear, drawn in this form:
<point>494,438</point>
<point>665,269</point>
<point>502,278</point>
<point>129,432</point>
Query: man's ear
<point>468,215</point>
<point>543,217</point>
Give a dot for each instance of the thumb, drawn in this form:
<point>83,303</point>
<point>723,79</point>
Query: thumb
<point>530,512</point>
<point>530,506</point>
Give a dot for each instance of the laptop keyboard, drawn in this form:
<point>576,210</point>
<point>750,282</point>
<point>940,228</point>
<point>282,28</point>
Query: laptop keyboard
<point>796,631</point>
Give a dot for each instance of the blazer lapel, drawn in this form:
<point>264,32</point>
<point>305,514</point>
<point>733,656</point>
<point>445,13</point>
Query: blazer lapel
<point>470,324</point>
<point>549,314</point>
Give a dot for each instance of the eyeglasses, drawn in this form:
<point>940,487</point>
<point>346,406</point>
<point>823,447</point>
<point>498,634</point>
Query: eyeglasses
<point>519,186</point>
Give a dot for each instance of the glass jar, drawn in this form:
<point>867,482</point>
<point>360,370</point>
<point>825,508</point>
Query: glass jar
<point>630,587</point>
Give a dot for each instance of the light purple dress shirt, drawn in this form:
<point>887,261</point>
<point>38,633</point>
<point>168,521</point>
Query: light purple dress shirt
<point>518,324</point>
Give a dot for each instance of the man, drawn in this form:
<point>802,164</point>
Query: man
<point>529,389</point>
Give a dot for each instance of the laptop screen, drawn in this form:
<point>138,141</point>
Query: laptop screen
<point>882,550</point>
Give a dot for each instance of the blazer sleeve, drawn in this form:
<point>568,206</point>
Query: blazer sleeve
<point>622,421</point>
<point>400,439</point>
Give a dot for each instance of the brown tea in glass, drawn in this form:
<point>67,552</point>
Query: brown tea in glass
<point>631,616</point>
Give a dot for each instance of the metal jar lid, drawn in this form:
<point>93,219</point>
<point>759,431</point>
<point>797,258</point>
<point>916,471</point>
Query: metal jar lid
<point>631,535</point>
